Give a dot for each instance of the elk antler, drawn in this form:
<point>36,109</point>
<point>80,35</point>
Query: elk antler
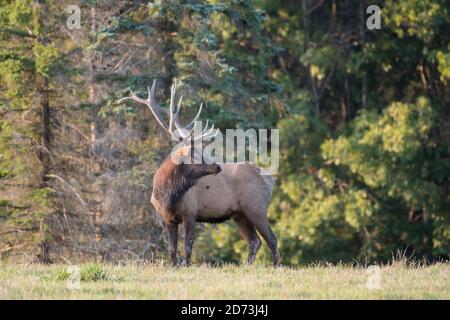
<point>172,113</point>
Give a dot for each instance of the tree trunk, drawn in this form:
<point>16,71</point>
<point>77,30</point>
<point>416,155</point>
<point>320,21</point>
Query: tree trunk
<point>44,157</point>
<point>363,43</point>
<point>427,237</point>
<point>44,148</point>
<point>93,99</point>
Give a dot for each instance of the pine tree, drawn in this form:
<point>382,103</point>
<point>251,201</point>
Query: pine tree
<point>28,60</point>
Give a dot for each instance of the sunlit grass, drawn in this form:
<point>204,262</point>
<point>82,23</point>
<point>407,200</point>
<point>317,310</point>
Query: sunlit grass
<point>155,281</point>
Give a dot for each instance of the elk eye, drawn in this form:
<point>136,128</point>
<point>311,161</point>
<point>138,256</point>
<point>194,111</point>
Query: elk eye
<point>207,187</point>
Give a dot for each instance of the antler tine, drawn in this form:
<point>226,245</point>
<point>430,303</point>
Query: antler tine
<point>192,123</point>
<point>215,133</point>
<point>172,97</point>
<point>206,127</point>
<point>208,134</point>
<point>130,97</point>
<point>151,99</point>
<point>151,91</point>
<point>179,105</point>
<point>173,94</point>
<point>150,103</point>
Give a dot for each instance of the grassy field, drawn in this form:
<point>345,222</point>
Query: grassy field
<point>140,281</point>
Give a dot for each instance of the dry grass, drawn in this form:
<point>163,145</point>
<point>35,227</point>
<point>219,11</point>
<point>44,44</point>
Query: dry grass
<point>140,281</point>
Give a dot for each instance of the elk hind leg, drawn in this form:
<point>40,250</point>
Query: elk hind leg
<point>189,228</point>
<point>248,232</point>
<point>262,225</point>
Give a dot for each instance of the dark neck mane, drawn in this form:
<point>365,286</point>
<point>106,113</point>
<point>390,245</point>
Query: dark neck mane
<point>170,183</point>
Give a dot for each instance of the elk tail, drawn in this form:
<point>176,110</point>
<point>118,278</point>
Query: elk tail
<point>268,181</point>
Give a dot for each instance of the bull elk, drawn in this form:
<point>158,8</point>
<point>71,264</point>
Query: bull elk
<point>187,193</point>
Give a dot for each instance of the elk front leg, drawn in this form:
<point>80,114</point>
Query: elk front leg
<point>189,228</point>
<point>172,228</point>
